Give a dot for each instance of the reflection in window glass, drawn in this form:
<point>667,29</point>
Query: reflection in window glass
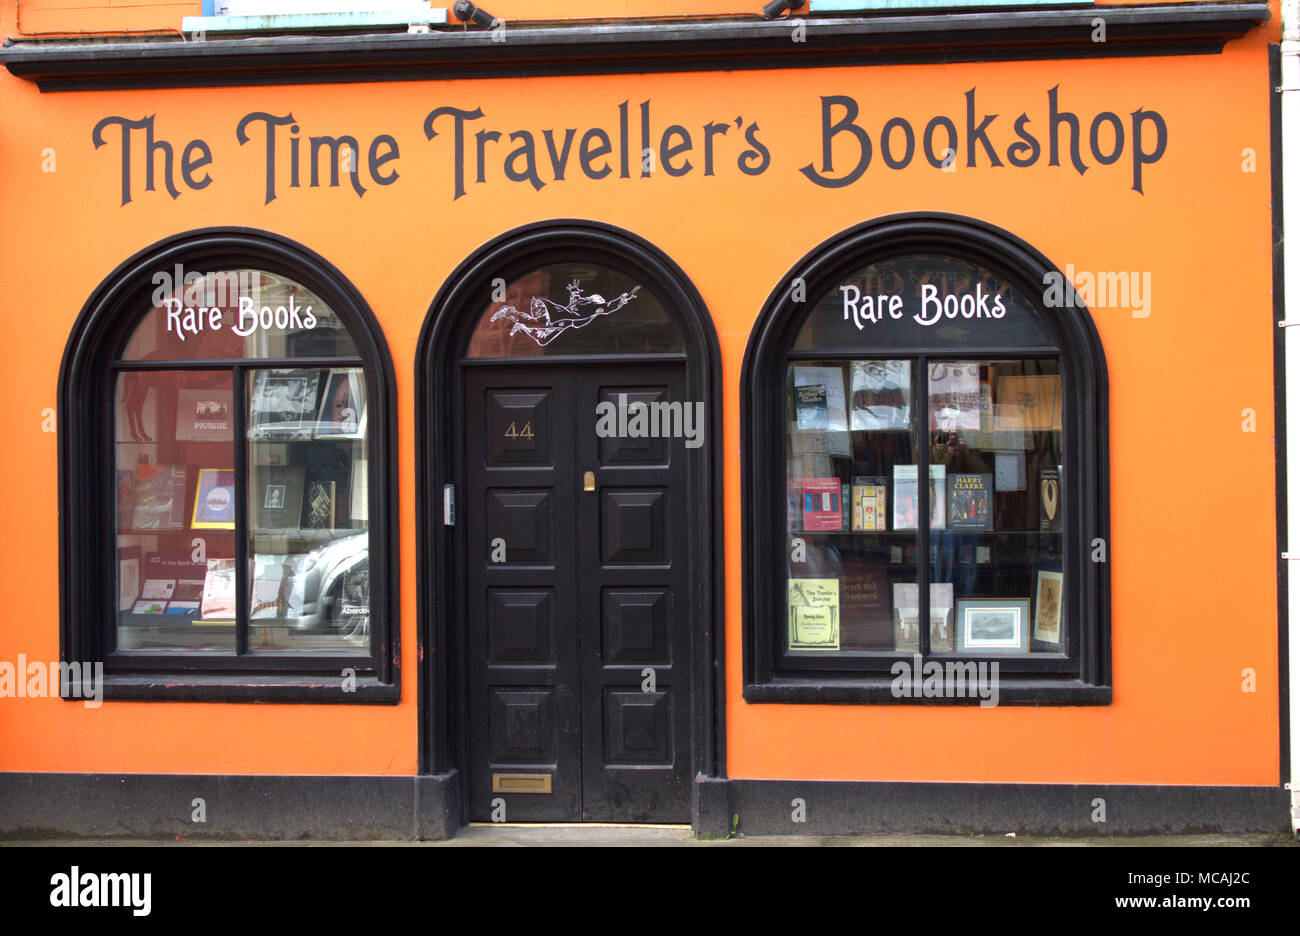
<point>175,476</point>
<point>573,308</point>
<point>308,542</point>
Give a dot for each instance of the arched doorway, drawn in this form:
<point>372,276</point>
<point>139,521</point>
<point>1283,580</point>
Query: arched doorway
<point>569,537</point>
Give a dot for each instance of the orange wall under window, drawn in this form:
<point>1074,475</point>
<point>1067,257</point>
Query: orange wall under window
<point>1193,548</point>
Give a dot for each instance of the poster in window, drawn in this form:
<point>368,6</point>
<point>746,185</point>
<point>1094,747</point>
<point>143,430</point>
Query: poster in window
<point>868,504</point>
<point>955,395</point>
<point>1009,471</point>
<point>159,498</point>
<point>271,576</point>
<point>822,509</point>
<point>128,577</point>
<point>941,622</point>
<point>214,500</point>
<point>125,499</point>
<point>1048,598</point>
<point>158,589</point>
<point>881,395</point>
<point>1028,403</point>
<point>814,614</point>
<point>360,501</point>
<point>820,409</point>
<point>179,566</point>
<point>343,406</point>
<point>907,615</point>
<point>319,509</point>
<point>218,604</point>
<point>906,496</point>
<point>866,617</point>
<point>970,501</point>
<point>283,405</point>
<point>1049,499</point>
<point>203,416</point>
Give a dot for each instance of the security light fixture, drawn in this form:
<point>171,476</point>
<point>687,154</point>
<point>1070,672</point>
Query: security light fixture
<point>771,10</point>
<point>466,11</point>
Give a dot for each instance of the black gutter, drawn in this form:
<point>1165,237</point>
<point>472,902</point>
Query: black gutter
<point>603,48</point>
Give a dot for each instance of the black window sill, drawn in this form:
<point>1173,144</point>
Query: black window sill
<point>191,687</point>
<point>879,690</point>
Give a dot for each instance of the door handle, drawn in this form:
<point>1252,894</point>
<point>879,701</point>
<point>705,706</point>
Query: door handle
<point>589,480</point>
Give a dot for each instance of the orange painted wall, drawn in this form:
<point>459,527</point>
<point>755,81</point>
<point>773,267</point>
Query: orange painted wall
<point>1193,500</point>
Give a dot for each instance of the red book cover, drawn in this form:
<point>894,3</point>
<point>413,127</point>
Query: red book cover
<point>821,504</point>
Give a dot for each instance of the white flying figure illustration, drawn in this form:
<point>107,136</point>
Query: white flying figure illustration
<point>546,319</point>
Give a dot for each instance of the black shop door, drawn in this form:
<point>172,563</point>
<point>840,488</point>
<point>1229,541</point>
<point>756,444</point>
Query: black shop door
<point>577,567</point>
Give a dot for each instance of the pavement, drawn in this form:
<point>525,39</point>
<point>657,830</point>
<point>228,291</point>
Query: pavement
<point>518,836</point>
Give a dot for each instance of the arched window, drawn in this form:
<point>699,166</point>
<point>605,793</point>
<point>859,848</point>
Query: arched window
<point>925,346</point>
<point>224,437</point>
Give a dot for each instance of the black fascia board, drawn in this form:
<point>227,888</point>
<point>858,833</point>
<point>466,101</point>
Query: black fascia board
<point>625,48</point>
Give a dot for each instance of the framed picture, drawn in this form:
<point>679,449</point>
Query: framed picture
<point>283,404</point>
<point>214,500</point>
<point>1049,593</point>
<point>343,406</point>
<point>277,496</point>
<point>1028,403</point>
<point>993,625</point>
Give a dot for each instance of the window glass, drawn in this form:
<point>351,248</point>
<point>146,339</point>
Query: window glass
<point>175,491</point>
<point>308,542</point>
<point>921,301</point>
<point>851,429</point>
<point>995,441</point>
<point>572,308</point>
<point>303,480</point>
<point>235,314</point>
<point>993,535</point>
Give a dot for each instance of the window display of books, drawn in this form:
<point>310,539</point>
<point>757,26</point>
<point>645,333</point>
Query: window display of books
<point>995,502</point>
<point>298,500</point>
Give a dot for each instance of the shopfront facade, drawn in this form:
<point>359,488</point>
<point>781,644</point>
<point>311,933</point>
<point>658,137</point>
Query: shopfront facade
<point>525,422</point>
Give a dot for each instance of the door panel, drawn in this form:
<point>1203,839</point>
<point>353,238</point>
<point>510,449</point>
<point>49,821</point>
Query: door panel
<point>636,739</point>
<point>521,577</point>
<point>578,630</point>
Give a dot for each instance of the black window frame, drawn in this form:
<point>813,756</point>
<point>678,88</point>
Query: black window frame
<point>87,545</point>
<point>1081,678</point>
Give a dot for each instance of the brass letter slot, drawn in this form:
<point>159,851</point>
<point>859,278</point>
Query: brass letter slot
<point>521,783</point>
